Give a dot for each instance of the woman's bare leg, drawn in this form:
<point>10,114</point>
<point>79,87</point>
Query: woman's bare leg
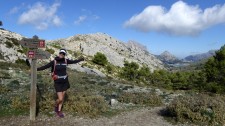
<point>60,99</point>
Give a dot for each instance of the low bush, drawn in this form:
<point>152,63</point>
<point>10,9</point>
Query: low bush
<point>15,41</point>
<point>147,99</point>
<point>91,106</point>
<point>3,89</point>
<point>100,59</point>
<point>57,46</point>
<point>20,61</point>
<point>8,44</point>
<point>1,55</point>
<point>13,84</point>
<point>200,109</point>
<point>5,75</point>
<point>51,51</point>
<point>21,103</point>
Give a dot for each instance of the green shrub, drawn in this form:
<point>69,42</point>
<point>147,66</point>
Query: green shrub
<point>23,50</point>
<point>198,108</point>
<point>70,51</point>
<point>76,53</point>
<point>3,89</point>
<point>77,38</point>
<point>21,103</point>
<point>1,55</point>
<point>8,44</point>
<point>14,84</point>
<point>215,70</point>
<point>20,61</point>
<point>215,88</point>
<point>15,41</point>
<point>144,72</point>
<point>148,99</point>
<point>57,46</point>
<point>7,65</point>
<point>5,102</point>
<point>20,51</point>
<point>91,106</point>
<point>51,51</point>
<point>4,75</point>
<point>100,59</point>
<point>130,70</point>
<point>109,68</point>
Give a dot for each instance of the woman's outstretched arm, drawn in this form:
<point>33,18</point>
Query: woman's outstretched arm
<point>46,66</point>
<point>74,61</point>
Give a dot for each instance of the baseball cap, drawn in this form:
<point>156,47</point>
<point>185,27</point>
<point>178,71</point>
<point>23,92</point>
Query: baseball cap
<point>62,51</point>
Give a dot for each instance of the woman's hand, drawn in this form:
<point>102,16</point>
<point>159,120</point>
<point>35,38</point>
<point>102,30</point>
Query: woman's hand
<point>81,58</point>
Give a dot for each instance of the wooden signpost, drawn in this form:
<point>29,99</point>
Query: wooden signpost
<point>33,53</point>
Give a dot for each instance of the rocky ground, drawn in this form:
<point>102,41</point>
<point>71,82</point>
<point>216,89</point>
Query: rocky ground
<point>137,117</point>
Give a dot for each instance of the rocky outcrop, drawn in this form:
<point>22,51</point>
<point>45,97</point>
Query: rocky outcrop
<point>9,47</point>
<point>167,58</point>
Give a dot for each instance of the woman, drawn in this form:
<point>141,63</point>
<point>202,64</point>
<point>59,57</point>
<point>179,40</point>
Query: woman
<point>61,82</point>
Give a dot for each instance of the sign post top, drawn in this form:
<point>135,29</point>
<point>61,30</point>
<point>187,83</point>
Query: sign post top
<point>34,42</point>
<point>35,37</point>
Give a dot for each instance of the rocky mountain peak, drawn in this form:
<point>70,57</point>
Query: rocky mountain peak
<point>166,55</point>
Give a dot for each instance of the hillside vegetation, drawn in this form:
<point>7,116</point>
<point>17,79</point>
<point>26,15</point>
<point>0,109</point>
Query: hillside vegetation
<point>193,95</point>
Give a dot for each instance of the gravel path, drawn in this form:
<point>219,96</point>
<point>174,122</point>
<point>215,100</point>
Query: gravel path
<point>139,117</point>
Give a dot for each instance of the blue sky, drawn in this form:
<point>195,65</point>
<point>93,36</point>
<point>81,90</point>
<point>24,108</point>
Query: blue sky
<point>180,27</point>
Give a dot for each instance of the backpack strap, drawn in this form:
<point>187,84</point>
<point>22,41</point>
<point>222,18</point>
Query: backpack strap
<point>54,66</point>
<point>66,61</point>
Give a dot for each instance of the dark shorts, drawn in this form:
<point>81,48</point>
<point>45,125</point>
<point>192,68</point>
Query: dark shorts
<point>61,85</point>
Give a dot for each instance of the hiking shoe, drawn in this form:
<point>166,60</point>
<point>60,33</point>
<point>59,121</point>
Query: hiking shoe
<point>60,114</point>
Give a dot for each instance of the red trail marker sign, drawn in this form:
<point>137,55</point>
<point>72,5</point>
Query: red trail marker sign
<point>33,44</point>
<point>38,54</point>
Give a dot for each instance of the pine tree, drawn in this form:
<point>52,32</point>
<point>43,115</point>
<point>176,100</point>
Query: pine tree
<point>215,71</point>
<point>100,59</point>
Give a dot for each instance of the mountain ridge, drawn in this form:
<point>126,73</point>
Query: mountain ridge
<point>200,56</point>
<point>115,50</point>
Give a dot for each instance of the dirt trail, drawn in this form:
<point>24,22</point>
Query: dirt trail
<point>139,117</point>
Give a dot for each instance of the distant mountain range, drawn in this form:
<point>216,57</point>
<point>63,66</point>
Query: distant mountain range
<point>199,57</point>
<point>170,60</point>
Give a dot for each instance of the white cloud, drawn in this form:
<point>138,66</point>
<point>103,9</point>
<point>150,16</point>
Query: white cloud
<point>181,19</point>
<point>41,16</point>
<point>87,16</point>
<point>80,19</point>
<point>14,10</point>
<point>96,17</point>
